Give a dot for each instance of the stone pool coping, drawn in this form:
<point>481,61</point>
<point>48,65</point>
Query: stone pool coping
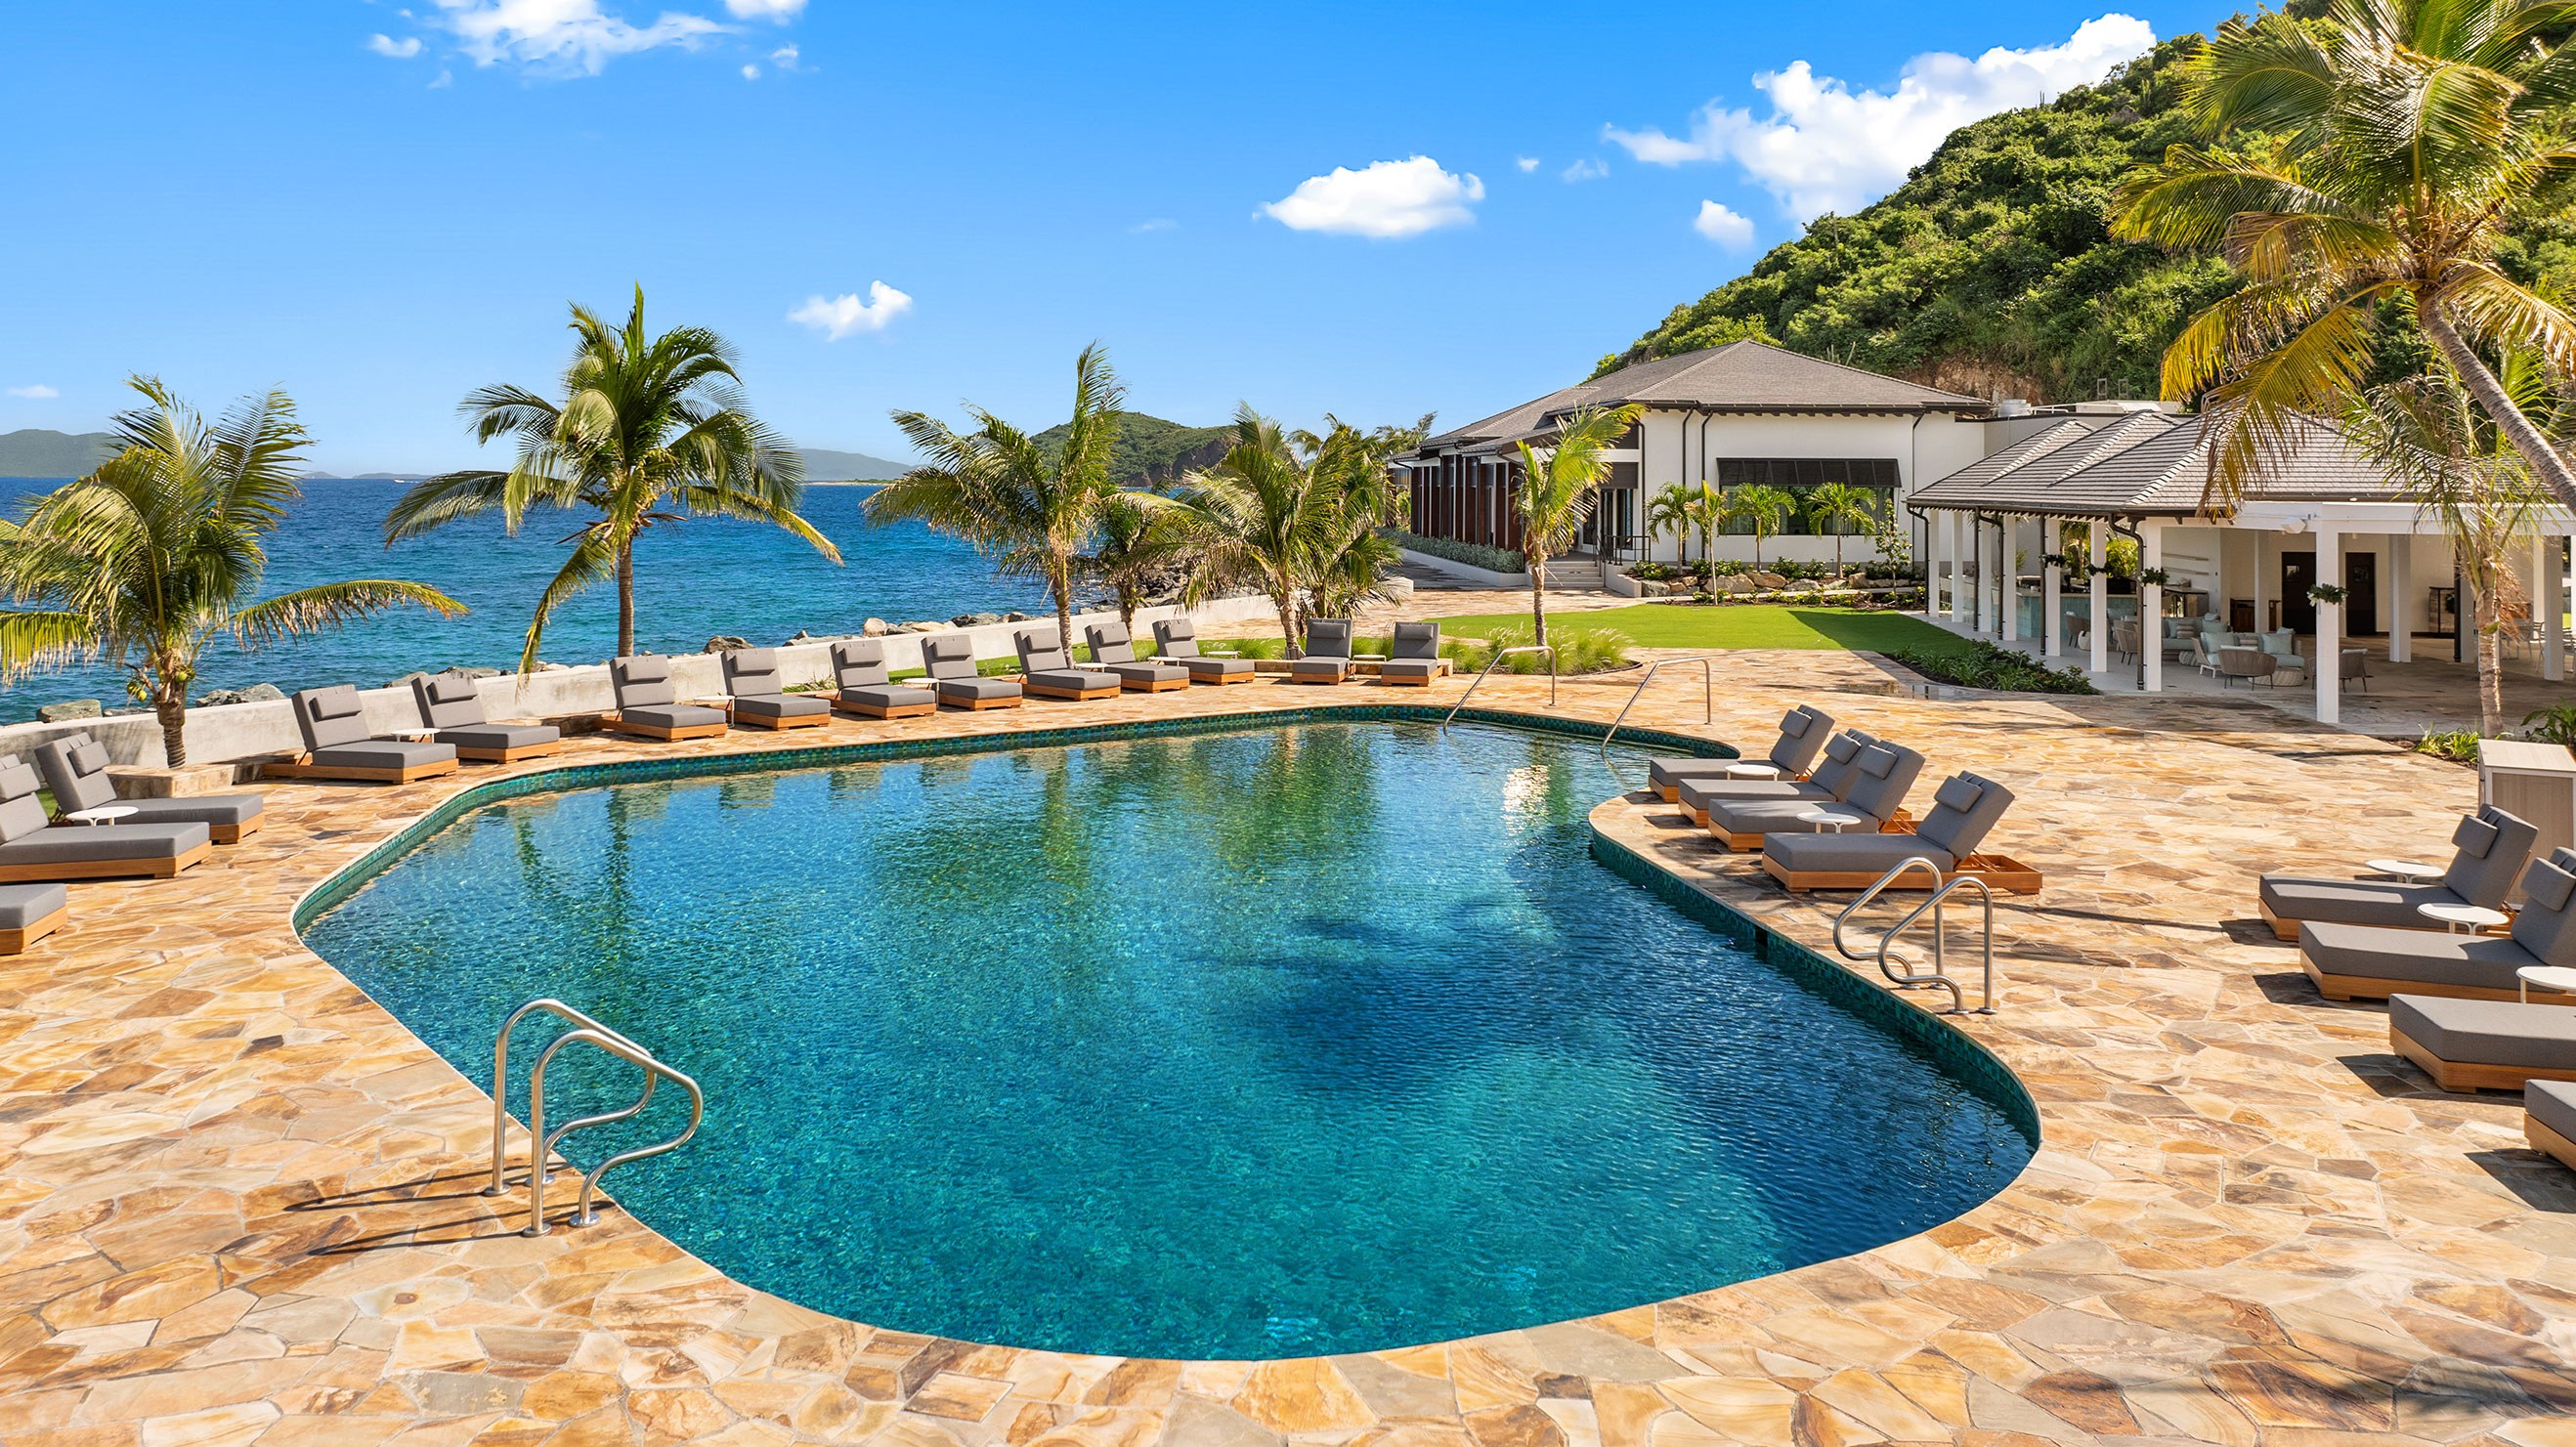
<point>231,1208</point>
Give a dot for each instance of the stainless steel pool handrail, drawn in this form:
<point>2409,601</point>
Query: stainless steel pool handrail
<point>1707,698</point>
<point>501,1078</point>
<point>1499,655</point>
<point>1886,955</point>
<point>542,1142</point>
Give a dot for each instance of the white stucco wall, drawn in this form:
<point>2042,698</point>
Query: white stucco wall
<point>1685,447</point>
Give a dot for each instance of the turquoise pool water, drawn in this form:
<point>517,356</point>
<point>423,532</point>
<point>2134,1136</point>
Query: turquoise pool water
<point>1274,1042</point>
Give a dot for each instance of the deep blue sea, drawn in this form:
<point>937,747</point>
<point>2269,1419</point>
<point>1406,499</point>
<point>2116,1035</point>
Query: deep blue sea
<point>694,580</point>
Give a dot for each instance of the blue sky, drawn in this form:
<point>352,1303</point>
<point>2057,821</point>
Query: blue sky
<point>381,205</point>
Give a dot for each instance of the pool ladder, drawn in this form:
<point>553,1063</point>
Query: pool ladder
<point>1707,700</point>
<point>1886,955</point>
<point>542,1142</point>
<point>1499,655</point>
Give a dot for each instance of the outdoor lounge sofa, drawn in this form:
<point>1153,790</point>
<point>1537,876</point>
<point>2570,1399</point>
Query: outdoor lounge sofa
<point>452,706</point>
<point>950,660</point>
<point>1328,653</point>
<point>2549,1119</point>
<point>29,912</point>
<point>859,670</point>
<point>1881,777</point>
<point>1964,811</point>
<point>648,703</point>
<point>338,745</point>
<point>75,768</point>
<point>1415,659</point>
<point>1047,673</point>
<point>1176,641</point>
<point>2490,848</point>
<point>1803,731</point>
<point>760,696</point>
<point>1825,784</point>
<point>30,851</point>
<point>1113,650</point>
<point>2373,962</point>
<point>2483,1044</point>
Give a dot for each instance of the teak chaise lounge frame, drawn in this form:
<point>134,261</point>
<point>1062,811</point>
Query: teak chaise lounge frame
<point>2474,1075</point>
<point>649,707</point>
<point>760,697</point>
<point>333,722</point>
<point>1046,672</point>
<point>1176,640</point>
<point>949,659</point>
<point>41,909</point>
<point>451,704</point>
<point>864,690</point>
<point>1327,652</point>
<point>75,768</point>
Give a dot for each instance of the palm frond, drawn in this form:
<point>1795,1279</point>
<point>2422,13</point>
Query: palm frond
<point>328,605</point>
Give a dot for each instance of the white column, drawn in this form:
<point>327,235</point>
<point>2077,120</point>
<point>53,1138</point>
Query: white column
<point>1985,575</point>
<point>2008,579</point>
<point>2551,604</point>
<point>2052,584</point>
<point>2401,597</point>
<point>1958,566</point>
<point>2329,669</point>
<point>2098,585</point>
<point>1932,561</point>
<point>2151,604</point>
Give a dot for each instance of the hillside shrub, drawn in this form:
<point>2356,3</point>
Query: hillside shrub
<point>1984,665</point>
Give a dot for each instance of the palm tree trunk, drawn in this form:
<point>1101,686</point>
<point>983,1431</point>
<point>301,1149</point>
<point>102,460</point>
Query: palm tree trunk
<point>171,707</point>
<point>1287,626</point>
<point>2527,439</point>
<point>2490,610</point>
<point>1538,598</point>
<point>1060,588</point>
<point>626,599</point>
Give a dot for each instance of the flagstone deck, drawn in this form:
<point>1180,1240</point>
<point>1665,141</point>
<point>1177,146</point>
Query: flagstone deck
<point>236,1198</point>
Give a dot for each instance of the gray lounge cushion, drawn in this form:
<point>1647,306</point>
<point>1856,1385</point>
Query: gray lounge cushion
<point>2353,901</point>
<point>448,701</point>
<point>1075,678</point>
<point>1146,672</point>
<point>1851,853</point>
<point>859,663</point>
<point>2553,1104</point>
<point>230,810</point>
<point>2487,1032</point>
<point>83,844</point>
<point>1176,638</point>
<point>887,696</point>
<point>1887,775</point>
<point>1416,643</point>
<point>779,705</point>
<point>2413,956</point>
<point>977,688</point>
<point>753,673</point>
<point>75,768</point>
<point>1965,809</point>
<point>1775,816</point>
<point>1672,772</point>
<point>382,754</point>
<point>1320,667</point>
<point>1706,794</point>
<point>672,716</point>
<point>1203,667</point>
<point>641,681</point>
<point>21,812</point>
<point>22,905</point>
<point>1410,668</point>
<point>500,736</point>
<point>1803,732</point>
<point>1113,650</point>
<point>1328,638</point>
<point>328,716</point>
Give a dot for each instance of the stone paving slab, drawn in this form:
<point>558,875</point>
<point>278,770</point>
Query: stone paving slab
<point>237,1200</point>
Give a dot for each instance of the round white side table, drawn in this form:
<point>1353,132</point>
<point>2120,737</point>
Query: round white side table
<point>1836,820</point>
<point>1751,769</point>
<point>2408,870</point>
<point>2547,977</point>
<point>103,814</point>
<point>2465,919</point>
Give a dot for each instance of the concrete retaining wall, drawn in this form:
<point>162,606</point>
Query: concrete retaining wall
<point>248,730</point>
<point>1481,577</point>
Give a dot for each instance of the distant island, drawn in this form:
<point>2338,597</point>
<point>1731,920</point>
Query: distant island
<point>38,452</point>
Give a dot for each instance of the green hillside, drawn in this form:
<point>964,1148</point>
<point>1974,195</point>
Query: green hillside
<point>824,465</point>
<point>1151,449</point>
<point>37,452</point>
<point>1992,269</point>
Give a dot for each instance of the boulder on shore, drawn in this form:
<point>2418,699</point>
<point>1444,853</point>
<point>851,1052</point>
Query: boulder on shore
<point>474,670</point>
<point>873,628</point>
<point>926,626</point>
<point>975,620</point>
<point>1015,616</point>
<point>725,643</point>
<point>256,693</point>
<point>70,709</point>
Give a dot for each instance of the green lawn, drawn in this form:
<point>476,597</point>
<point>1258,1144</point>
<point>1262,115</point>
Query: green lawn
<point>1741,625</point>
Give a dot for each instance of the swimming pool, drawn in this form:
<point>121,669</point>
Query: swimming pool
<point>1271,1042</point>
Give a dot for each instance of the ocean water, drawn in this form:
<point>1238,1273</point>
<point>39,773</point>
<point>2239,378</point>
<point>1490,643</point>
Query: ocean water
<point>1273,1042</point>
<point>694,580</point>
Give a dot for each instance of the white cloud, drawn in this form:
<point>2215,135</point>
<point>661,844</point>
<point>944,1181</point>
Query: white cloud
<point>846,315</point>
<point>1826,147</point>
<point>403,49</point>
<point>572,37</point>
<point>751,72</point>
<point>1158,223</point>
<point>37,392</point>
<point>781,11</point>
<point>1526,163</point>
<point>1723,226</point>
<point>445,79</point>
<point>785,57</point>
<point>1585,170</point>
<point>1384,199</point>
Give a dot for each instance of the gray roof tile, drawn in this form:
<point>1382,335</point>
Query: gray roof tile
<point>1737,377</point>
<point>2153,464</point>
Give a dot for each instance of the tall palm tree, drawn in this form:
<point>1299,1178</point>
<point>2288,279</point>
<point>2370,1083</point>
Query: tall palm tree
<point>1669,514</point>
<point>1556,487</point>
<point>1707,513</point>
<point>1032,511</point>
<point>650,430</point>
<point>1258,518</point>
<point>147,559</point>
<point>1137,546</point>
<point>2376,158</point>
<point>1352,477</point>
<point>1762,508</point>
<point>1838,507</point>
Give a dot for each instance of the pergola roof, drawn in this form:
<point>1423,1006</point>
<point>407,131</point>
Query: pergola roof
<point>2150,464</point>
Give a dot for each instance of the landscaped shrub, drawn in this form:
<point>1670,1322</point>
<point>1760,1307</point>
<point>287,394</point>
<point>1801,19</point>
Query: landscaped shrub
<point>2460,746</point>
<point>1578,650</point>
<point>1474,555</point>
<point>1983,665</point>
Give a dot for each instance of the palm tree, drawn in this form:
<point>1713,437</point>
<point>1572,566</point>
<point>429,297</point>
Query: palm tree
<point>651,430</point>
<point>1670,513</point>
<point>1137,546</point>
<point>1837,507</point>
<point>1352,476</point>
<point>1031,510</point>
<point>1763,508</point>
<point>2377,158</point>
<point>1707,513</point>
<point>146,559</point>
<point>1557,485</point>
<point>1259,518</point>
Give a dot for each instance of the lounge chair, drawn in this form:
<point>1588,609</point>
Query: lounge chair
<point>760,696</point>
<point>75,768</point>
<point>30,851</point>
<point>1176,641</point>
<point>338,745</point>
<point>1113,650</point>
<point>1964,811</point>
<point>1803,731</point>
<point>859,668</point>
<point>2549,1119</point>
<point>2483,1044</point>
<point>1328,653</point>
<point>1416,658</point>
<point>1046,672</point>
<point>1826,784</point>
<point>950,658</point>
<point>452,706</point>
<point>1880,779</point>
<point>2373,962</point>
<point>649,707</point>
<point>2490,848</point>
<point>29,912</point>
